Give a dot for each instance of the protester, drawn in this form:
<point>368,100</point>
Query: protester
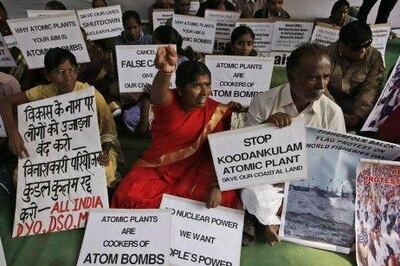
<point>159,4</point>
<point>339,14</point>
<point>55,5</point>
<point>178,161</point>
<point>242,42</point>
<point>357,73</point>
<point>308,72</point>
<point>4,29</point>
<point>182,7</point>
<point>385,7</point>
<point>222,5</point>
<point>133,32</point>
<point>247,8</point>
<point>61,70</point>
<point>99,3</point>
<point>272,9</point>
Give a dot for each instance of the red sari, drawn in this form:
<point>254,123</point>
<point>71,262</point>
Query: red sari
<point>179,161</point>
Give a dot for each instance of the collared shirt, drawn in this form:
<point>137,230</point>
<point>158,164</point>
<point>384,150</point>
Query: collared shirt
<point>8,85</point>
<point>323,113</point>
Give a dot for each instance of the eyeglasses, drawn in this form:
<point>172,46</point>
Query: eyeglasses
<point>358,47</point>
<point>63,72</point>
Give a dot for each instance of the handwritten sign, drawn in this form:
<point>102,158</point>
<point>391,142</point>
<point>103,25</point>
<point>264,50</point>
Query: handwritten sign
<point>161,16</point>
<point>10,41</point>
<point>380,36</point>
<point>194,7</point>
<point>128,237</point>
<point>225,24</point>
<point>61,179</point>
<point>262,155</point>
<point>36,36</point>
<point>239,78</point>
<point>46,13</point>
<point>263,30</point>
<point>136,68</point>
<point>6,59</point>
<point>289,34</point>
<point>325,34</point>
<point>101,23</point>
<point>199,33</point>
<point>201,236</point>
<point>280,58</point>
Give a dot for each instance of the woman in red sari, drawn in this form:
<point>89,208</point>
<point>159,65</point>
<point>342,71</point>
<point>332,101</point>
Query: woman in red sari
<point>179,161</point>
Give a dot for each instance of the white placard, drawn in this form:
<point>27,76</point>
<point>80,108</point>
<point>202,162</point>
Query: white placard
<point>239,78</point>
<point>101,23</point>
<point>128,237</point>
<point>6,59</point>
<point>289,34</point>
<point>36,36</point>
<point>262,154</point>
<point>199,33</point>
<point>325,34</point>
<point>2,257</point>
<point>136,70</point>
<point>10,41</point>
<point>225,24</point>
<point>194,7</point>
<point>201,236</point>
<point>46,13</point>
<point>263,31</point>
<point>161,16</point>
<point>280,58</point>
<point>380,36</point>
<point>61,179</point>
<point>3,132</point>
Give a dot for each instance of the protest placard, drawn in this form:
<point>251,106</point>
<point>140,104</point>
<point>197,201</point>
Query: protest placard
<point>225,24</point>
<point>128,237</point>
<point>194,7</point>
<point>161,16</point>
<point>35,36</point>
<point>325,34</point>
<point>101,23</point>
<point>378,212</point>
<point>380,36</point>
<point>201,236</point>
<point>10,41</point>
<point>289,34</point>
<point>263,154</point>
<point>280,58</point>
<point>46,13</point>
<point>239,78</point>
<point>6,59</point>
<point>319,211</point>
<point>3,132</point>
<point>199,33</point>
<point>263,30</point>
<point>388,101</point>
<point>135,64</point>
<point>61,179</point>
<point>2,257</point>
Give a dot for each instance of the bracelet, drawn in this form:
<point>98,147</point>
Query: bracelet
<point>167,72</point>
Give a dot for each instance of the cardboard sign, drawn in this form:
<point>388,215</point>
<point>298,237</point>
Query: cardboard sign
<point>136,68</point>
<point>201,236</point>
<point>325,34</point>
<point>199,33</point>
<point>6,59</point>
<point>3,132</point>
<point>319,211</point>
<point>128,237</point>
<point>238,78</point>
<point>10,41</point>
<point>380,36</point>
<point>263,30</point>
<point>61,179</point>
<point>161,16</point>
<point>101,23</point>
<point>194,7</point>
<point>262,154</point>
<point>289,34</point>
<point>36,36</point>
<point>225,24</point>
<point>280,58</point>
<point>46,13</point>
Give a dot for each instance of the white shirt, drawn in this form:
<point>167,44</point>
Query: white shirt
<point>323,113</point>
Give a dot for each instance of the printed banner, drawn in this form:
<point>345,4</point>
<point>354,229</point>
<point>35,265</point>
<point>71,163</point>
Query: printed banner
<point>319,212</point>
<point>201,236</point>
<point>263,30</point>
<point>161,16</point>
<point>239,78</point>
<point>6,59</point>
<point>380,36</point>
<point>128,237</point>
<point>262,154</point>
<point>225,24</point>
<point>387,102</point>
<point>136,68</point>
<point>199,33</point>
<point>325,34</point>
<point>280,58</point>
<point>378,213</point>
<point>35,36</point>
<point>61,179</point>
<point>101,23</point>
<point>46,13</point>
<point>289,34</point>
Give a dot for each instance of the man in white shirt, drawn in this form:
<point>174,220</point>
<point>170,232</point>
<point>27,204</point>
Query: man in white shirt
<point>308,71</point>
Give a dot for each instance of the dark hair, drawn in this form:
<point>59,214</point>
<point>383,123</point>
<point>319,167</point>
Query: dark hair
<point>339,4</point>
<point>166,34</point>
<point>236,34</point>
<point>305,50</point>
<point>104,1</point>
<point>355,33</point>
<point>2,6</point>
<point>55,5</point>
<point>56,56</point>
<point>188,71</point>
<point>131,14</point>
